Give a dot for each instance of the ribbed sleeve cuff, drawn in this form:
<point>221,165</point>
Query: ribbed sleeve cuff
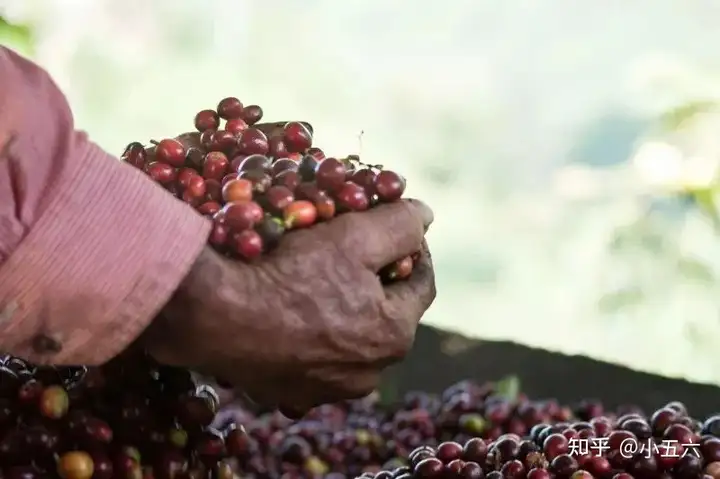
<point>103,258</point>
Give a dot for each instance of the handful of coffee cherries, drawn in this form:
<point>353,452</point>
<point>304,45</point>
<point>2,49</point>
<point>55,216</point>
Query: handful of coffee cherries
<point>258,182</point>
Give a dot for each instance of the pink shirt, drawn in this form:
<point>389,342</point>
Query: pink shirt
<point>90,248</point>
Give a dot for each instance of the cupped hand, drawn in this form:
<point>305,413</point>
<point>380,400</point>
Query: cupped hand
<point>310,322</point>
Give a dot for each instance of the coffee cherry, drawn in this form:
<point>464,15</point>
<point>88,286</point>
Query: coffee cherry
<point>260,180</point>
<point>223,141</point>
<point>184,175</point>
<point>252,114</point>
<point>429,468</point>
<point>307,167</point>
<point>215,166</point>
<point>297,137</point>
<point>352,197</point>
<point>171,152</point>
<point>271,230</point>
<point>389,186</point>
<point>398,270</point>
<point>248,244</point>
<point>289,179</point>
<point>102,465</point>
<point>213,191</point>
<point>54,402</point>
<point>283,164</point>
<point>206,138</point>
<point>30,392</point>
<point>97,430</point>
<point>365,177</point>
<point>236,162</point>
<point>237,191</point>
<point>255,162</point>
<point>75,465</point>
<point>196,188</point>
<point>330,174</point>
<point>299,214</point>
<point>209,208</point>
<point>219,234</point>
<point>230,108</point>
<point>253,142</point>
<point>325,206</point>
<point>242,216</point>
<point>135,155</point>
<point>236,126</point>
<point>190,199</point>
<point>316,153</point>
<point>308,191</point>
<point>207,120</point>
<point>277,147</point>
<point>229,177</point>
<point>277,198</point>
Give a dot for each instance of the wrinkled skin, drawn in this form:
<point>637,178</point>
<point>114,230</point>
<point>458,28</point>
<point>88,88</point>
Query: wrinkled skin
<point>309,323</point>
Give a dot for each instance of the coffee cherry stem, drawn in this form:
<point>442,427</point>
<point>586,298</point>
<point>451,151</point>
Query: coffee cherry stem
<point>355,160</point>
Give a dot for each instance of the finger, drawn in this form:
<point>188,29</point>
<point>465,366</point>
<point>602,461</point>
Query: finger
<point>407,300</point>
<point>269,127</point>
<point>379,236</point>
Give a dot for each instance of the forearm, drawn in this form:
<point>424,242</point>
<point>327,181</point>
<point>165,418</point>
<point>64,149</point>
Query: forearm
<point>90,249</point>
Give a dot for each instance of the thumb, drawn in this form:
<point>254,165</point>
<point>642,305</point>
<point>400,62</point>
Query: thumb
<point>384,234</point>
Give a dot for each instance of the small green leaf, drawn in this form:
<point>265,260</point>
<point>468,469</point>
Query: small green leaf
<point>508,387</point>
<point>388,391</point>
<point>704,199</point>
<point>695,270</point>
<point>678,117</point>
<point>621,299</point>
<point>16,36</point>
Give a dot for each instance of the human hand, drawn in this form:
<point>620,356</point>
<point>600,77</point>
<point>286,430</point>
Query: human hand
<point>310,322</point>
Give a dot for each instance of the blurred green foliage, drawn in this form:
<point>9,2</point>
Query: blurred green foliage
<point>508,387</point>
<point>651,234</point>
<point>676,118</point>
<point>16,36</point>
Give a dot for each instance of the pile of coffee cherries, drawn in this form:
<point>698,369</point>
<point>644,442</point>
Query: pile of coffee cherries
<point>130,418</point>
<point>135,419</point>
<point>259,181</point>
<point>474,431</point>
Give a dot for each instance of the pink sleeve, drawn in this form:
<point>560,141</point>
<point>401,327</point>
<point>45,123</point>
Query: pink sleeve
<point>90,248</point>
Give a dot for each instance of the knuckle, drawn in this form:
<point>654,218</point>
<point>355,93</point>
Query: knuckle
<point>407,217</point>
<point>428,293</point>
<point>346,229</point>
<point>433,291</point>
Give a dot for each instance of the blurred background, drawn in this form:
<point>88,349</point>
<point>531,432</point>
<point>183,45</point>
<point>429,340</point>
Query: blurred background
<point>570,151</point>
